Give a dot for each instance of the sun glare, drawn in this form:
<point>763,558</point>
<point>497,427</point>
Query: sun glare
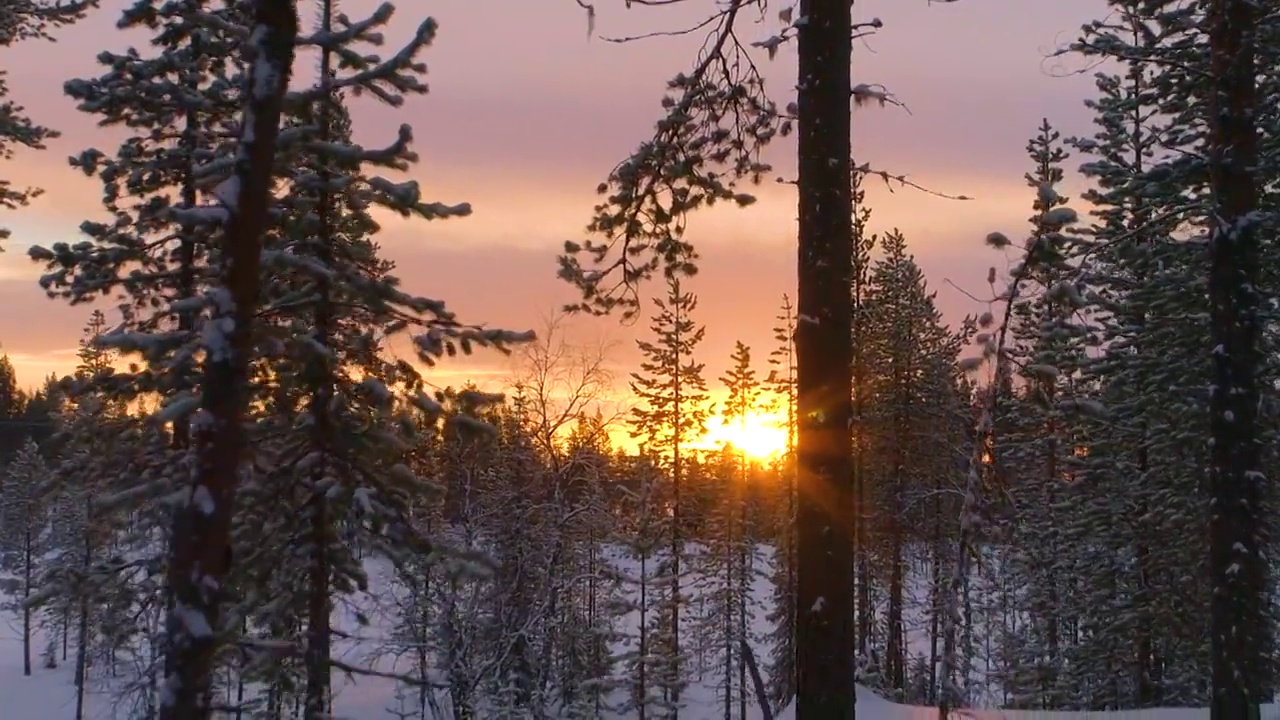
<point>762,437</point>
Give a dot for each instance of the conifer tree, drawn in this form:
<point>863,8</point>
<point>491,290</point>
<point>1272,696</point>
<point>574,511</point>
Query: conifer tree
<point>12,402</point>
<point>331,311</point>
<point>591,626</point>
<point>646,665</point>
<point>1038,446</point>
<point>907,423</point>
<point>782,617</point>
<point>24,524</point>
<point>1152,157</point>
<point>672,415</point>
<point>861,332</point>
<point>1238,535</point>
<point>733,538</point>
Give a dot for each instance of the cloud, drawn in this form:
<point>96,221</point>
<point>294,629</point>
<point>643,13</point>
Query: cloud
<point>526,116</point>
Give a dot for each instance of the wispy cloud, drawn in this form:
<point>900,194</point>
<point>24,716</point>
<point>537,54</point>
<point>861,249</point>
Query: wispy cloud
<point>526,116</point>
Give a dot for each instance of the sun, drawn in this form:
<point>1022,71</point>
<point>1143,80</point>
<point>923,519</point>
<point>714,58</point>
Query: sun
<point>762,436</point>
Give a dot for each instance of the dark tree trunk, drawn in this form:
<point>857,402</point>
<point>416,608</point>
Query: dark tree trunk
<point>677,523</point>
<point>26,597</point>
<point>321,380</point>
<point>82,628</point>
<point>824,652</point>
<point>201,551</point>
<point>1240,634</point>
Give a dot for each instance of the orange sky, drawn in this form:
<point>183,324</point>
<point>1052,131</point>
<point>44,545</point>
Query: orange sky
<point>526,116</point>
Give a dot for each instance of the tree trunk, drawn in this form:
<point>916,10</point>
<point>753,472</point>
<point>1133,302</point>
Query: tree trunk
<point>26,598</point>
<point>82,629</point>
<point>743,586</point>
<point>824,657</point>
<point>677,520</point>
<point>642,674</point>
<point>320,372</point>
<point>201,550</point>
<point>762,697</point>
<point>895,652</point>
<point>318,632</point>
<point>1240,635</point>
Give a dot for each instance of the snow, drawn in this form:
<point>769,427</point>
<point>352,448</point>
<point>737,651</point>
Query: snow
<point>48,694</point>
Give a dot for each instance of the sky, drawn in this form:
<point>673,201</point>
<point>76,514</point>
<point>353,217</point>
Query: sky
<point>527,114</point>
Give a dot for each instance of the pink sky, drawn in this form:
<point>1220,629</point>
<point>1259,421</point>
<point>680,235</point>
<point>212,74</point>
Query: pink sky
<point>526,116</point>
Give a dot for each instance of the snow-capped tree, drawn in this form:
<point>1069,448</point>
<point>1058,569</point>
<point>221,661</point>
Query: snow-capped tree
<point>782,616</point>
<point>24,529</point>
<point>671,416</point>
<point>729,564</point>
<point>1039,441</point>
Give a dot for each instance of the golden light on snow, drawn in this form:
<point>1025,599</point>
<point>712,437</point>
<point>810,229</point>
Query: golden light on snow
<point>762,436</point>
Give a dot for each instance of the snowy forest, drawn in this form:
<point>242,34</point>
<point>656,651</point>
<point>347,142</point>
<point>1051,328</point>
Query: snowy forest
<point>251,499</point>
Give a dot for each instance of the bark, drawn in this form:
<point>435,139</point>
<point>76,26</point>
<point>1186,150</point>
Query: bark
<point>1240,634</point>
<point>202,529</point>
<point>319,635</point>
<point>82,628</point>
<point>824,657</point>
<point>677,525</point>
<point>26,598</point>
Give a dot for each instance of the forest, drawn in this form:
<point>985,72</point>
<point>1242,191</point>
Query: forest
<point>251,499</point>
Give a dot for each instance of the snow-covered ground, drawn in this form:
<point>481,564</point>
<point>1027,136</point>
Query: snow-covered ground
<point>49,694</point>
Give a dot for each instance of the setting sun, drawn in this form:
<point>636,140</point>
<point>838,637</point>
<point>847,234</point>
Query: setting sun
<point>763,436</point>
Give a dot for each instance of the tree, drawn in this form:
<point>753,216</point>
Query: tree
<point>1242,676</point>
<point>1049,233</point>
<point>12,405</point>
<point>736,534</point>
<point>863,242</point>
<point>25,522</point>
<point>202,529</point>
<point>782,381</point>
<point>824,451</point>
<point>673,415</point>
<point>337,413</point>
<point>1041,433</point>
<point>717,119</point>
<point>1148,295</point>
<point>561,381</point>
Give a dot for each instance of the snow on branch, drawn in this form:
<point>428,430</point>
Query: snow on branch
<point>717,120</point>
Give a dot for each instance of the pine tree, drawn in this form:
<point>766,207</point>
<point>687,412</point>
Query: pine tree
<point>782,617</point>
<point>733,540</point>
<point>24,524</point>
<point>1152,155</point>
<point>908,417</point>
<point>1039,443</point>
<point>12,405</point>
<point>824,340</point>
<point>672,415</point>
<point>591,624</point>
<point>201,554</point>
<point>861,332</point>
<point>645,664</point>
<point>1238,536</point>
